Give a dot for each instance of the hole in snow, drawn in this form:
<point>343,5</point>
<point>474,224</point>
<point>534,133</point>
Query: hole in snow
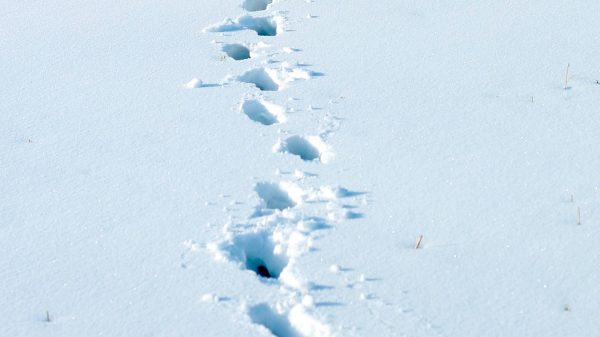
<point>277,324</point>
<point>236,51</point>
<point>263,26</point>
<point>275,196</point>
<point>257,252</point>
<point>308,148</point>
<point>262,270</point>
<point>261,251</point>
<point>260,78</point>
<point>263,112</point>
<point>256,5</point>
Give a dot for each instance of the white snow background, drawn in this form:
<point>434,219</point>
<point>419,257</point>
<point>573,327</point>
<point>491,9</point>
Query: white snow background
<point>145,176</point>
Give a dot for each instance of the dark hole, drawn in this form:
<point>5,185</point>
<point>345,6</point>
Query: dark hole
<point>263,271</point>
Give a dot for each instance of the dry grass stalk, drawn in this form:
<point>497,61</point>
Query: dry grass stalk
<point>419,239</point>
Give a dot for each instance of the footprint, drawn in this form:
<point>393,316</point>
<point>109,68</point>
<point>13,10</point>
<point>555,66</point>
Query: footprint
<point>256,251</point>
<point>263,112</point>
<point>274,79</point>
<point>236,51</point>
<point>256,5</point>
<point>262,78</point>
<point>260,257</point>
<point>308,148</point>
<point>297,322</point>
<point>278,195</point>
<point>277,324</point>
<point>263,26</point>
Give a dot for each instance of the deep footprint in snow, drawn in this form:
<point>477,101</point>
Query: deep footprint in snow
<point>275,79</point>
<point>297,322</point>
<point>256,5</point>
<point>277,324</point>
<point>308,148</point>
<point>259,255</point>
<point>256,252</point>
<point>236,51</point>
<point>262,78</point>
<point>263,26</point>
<point>263,112</point>
<point>278,196</point>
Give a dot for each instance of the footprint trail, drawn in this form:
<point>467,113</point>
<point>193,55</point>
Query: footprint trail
<point>290,214</point>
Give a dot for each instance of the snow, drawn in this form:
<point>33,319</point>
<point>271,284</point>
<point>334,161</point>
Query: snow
<point>256,168</point>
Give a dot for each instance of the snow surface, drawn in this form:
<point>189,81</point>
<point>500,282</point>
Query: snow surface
<point>256,168</point>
